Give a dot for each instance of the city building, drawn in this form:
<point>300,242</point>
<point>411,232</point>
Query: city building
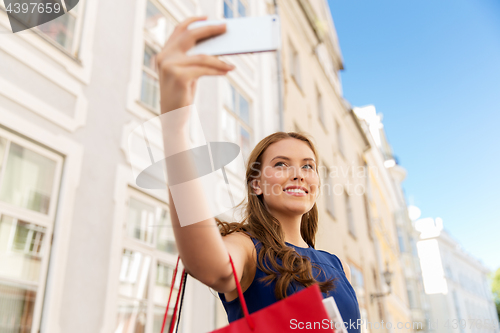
<point>313,104</point>
<point>82,247</point>
<point>456,283</point>
<point>390,222</point>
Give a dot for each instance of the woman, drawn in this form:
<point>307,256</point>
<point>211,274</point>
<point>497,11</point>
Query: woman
<point>273,247</point>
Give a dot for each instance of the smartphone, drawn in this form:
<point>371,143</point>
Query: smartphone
<point>243,35</point>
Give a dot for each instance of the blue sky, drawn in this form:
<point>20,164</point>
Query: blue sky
<point>432,68</point>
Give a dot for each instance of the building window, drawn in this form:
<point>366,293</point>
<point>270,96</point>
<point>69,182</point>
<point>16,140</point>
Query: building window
<point>358,283</point>
<point>236,119</point>
<point>413,245</point>
<point>329,203</point>
<point>235,8</point>
<point>294,64</point>
<point>28,180</point>
<point>319,106</point>
<point>147,263</point>
<point>349,214</point>
<point>29,185</point>
<point>158,26</point>
<point>458,310</point>
<point>401,241</point>
<point>411,298</point>
<point>367,196</point>
<point>340,141</point>
<point>367,216</point>
<point>65,30</point>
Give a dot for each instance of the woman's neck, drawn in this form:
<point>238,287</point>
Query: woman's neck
<point>291,229</point>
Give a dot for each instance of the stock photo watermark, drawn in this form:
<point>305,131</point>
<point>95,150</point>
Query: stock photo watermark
<point>197,171</point>
<point>327,324</point>
<point>451,323</point>
<point>351,180</point>
<point>27,14</point>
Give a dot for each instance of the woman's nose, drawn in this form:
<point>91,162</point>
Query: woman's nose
<point>297,173</point>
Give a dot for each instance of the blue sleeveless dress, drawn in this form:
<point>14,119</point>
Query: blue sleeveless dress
<point>258,295</point>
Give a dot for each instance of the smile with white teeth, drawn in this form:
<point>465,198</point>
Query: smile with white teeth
<point>297,190</point>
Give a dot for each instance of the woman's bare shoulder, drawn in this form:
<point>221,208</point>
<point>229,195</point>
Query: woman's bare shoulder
<point>241,241</point>
<point>239,238</point>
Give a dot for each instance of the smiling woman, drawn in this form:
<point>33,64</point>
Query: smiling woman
<point>281,220</point>
<point>273,247</point>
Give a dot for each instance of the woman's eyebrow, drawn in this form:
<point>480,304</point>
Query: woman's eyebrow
<point>288,159</point>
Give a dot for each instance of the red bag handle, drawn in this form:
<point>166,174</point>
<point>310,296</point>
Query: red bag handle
<point>249,319</point>
<point>174,315</point>
<point>170,295</point>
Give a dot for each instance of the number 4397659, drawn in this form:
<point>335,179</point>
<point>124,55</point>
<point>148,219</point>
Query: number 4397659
<point>35,8</point>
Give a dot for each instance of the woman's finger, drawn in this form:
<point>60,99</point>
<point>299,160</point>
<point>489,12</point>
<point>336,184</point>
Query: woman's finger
<point>194,72</point>
<point>208,31</point>
<point>178,64</point>
<point>192,36</point>
<point>205,60</point>
<point>184,24</point>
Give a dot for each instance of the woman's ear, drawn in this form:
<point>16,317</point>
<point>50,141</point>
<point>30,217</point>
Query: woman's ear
<point>256,187</point>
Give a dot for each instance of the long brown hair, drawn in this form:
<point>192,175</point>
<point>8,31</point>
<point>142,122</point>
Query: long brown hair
<point>260,224</point>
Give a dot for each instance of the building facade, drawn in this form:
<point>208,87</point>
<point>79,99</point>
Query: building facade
<point>313,103</point>
<point>407,241</point>
<point>456,283</point>
<point>390,219</point>
<point>82,247</point>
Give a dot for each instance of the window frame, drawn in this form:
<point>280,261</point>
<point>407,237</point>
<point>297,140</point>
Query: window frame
<point>137,243</point>
<point>45,219</point>
<point>356,271</point>
<point>401,239</point>
<point>148,71</point>
<point>340,140</point>
<point>329,198</point>
<point>48,221</point>
<point>148,40</point>
<point>366,201</point>
<point>237,115</point>
<point>235,7</point>
<point>32,233</point>
<point>320,107</point>
<point>368,216</point>
<point>157,257</point>
<point>294,63</point>
<point>349,214</point>
<point>74,50</point>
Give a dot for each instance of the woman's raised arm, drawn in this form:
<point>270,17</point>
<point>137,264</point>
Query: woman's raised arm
<point>203,251</point>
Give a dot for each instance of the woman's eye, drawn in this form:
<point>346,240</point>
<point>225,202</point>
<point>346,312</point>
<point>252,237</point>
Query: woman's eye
<point>311,167</point>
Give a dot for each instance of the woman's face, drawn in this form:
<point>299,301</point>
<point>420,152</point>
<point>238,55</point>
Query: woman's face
<point>287,164</point>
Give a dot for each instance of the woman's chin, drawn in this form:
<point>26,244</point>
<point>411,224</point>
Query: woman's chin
<point>298,209</point>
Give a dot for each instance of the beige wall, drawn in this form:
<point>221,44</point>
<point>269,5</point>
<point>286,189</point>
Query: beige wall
<point>383,202</point>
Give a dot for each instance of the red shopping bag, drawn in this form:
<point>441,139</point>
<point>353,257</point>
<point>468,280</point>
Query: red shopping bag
<point>303,310</point>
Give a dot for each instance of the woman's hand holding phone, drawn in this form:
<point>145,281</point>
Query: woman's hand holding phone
<point>179,72</point>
